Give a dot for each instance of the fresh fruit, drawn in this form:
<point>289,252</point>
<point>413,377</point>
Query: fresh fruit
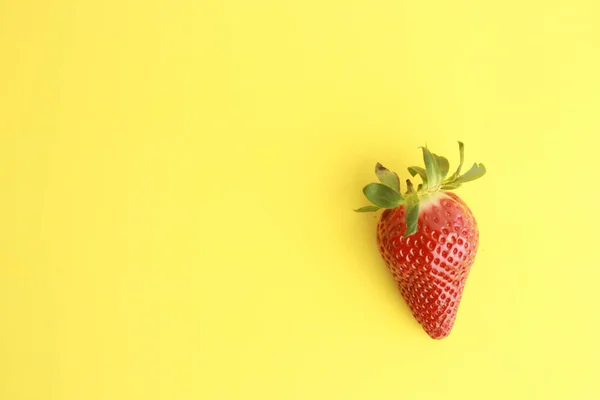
<point>427,236</point>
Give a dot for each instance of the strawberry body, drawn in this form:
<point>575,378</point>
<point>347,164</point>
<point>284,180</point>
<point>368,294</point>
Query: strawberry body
<point>431,266</point>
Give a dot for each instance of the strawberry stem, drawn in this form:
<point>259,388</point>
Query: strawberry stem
<point>411,188</point>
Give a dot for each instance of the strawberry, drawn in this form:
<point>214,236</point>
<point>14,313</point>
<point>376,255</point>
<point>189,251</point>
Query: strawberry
<point>427,237</point>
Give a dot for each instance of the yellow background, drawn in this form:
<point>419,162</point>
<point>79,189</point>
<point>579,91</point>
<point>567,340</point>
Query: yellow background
<point>177,181</point>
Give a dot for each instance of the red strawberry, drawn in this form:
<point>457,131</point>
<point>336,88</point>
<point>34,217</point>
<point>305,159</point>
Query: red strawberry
<point>428,238</point>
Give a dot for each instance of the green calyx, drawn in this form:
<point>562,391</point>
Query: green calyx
<point>434,178</point>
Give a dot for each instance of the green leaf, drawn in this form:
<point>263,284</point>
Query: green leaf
<point>433,171</point>
<point>476,171</point>
<point>461,151</point>
<point>450,186</point>
<point>412,214</point>
<point>387,177</point>
<point>367,209</point>
<point>443,165</point>
<point>383,196</point>
<point>420,171</point>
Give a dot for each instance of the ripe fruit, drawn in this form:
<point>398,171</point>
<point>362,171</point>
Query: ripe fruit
<point>428,237</point>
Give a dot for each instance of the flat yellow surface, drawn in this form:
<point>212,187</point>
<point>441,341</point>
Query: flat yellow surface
<point>177,181</point>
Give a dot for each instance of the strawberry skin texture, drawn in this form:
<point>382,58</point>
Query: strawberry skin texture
<point>431,266</point>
